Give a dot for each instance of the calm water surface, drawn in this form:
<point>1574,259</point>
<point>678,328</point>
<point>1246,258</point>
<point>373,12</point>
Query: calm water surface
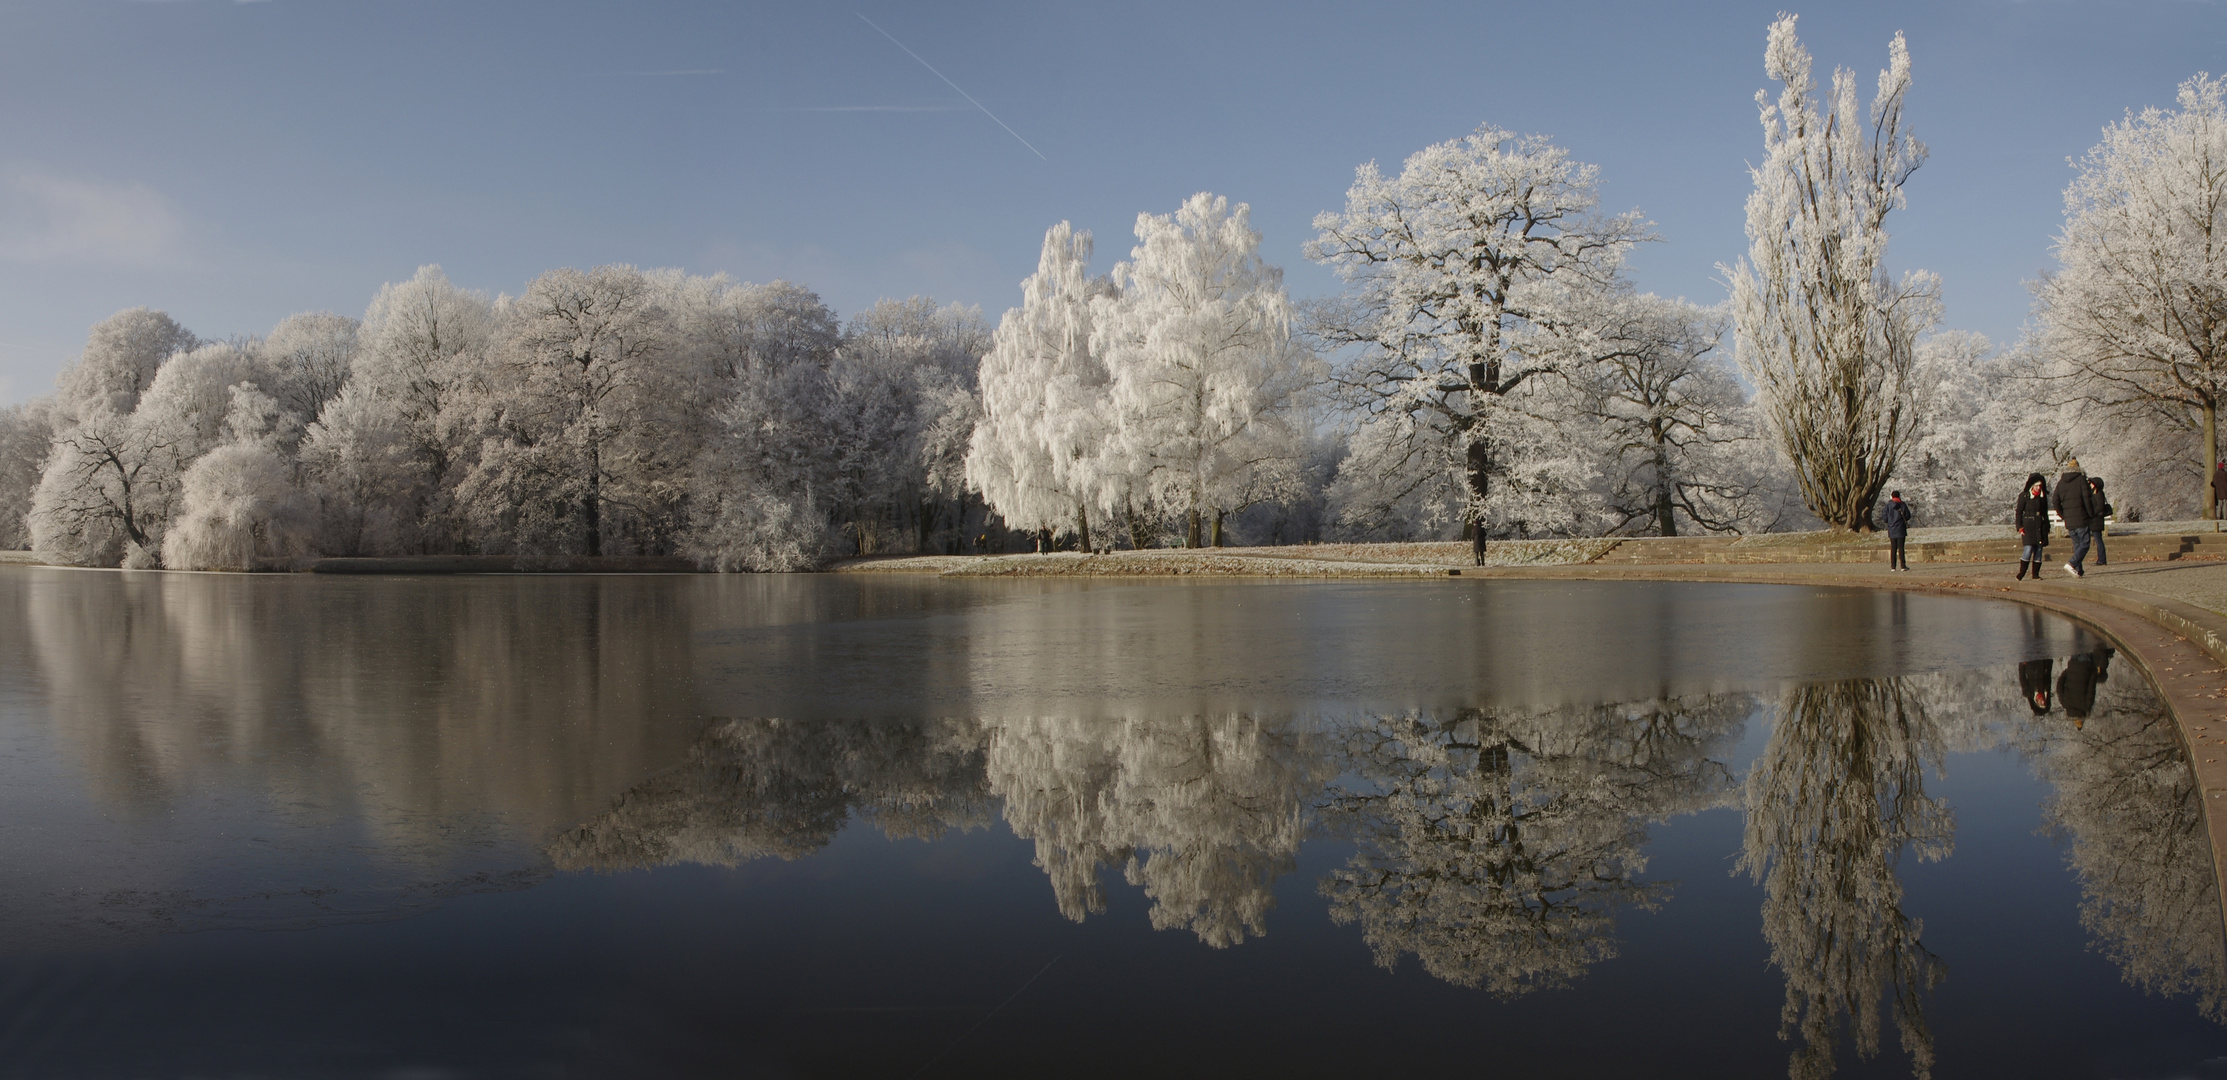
<point>842,826</point>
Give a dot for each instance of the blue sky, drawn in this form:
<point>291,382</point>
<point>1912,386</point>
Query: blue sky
<point>236,162</point>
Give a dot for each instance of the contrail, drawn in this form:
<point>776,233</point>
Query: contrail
<point>861,108</point>
<point>955,86</point>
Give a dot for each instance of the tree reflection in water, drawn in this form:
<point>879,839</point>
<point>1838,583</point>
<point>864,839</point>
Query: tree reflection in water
<point>2128,809</point>
<point>759,787</point>
<point>1835,799</point>
<point>1203,812</point>
<point>1496,847</point>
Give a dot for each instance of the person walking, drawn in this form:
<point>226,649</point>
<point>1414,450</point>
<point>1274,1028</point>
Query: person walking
<point>2103,507</point>
<point>2032,517</point>
<point>1898,532</point>
<point>2077,506</point>
<point>2219,491</point>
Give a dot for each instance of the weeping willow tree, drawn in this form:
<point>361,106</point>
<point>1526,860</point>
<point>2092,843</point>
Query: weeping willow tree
<point>1826,335</point>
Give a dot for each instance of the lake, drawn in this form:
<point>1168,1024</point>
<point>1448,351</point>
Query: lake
<point>852,825</point>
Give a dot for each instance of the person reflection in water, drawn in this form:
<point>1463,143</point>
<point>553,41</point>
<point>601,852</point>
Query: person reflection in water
<point>2033,684</point>
<point>2076,689</point>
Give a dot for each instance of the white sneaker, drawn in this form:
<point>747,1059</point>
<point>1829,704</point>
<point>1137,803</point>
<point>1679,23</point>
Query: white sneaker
<point>2073,570</point>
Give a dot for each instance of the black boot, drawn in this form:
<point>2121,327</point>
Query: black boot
<point>2022,564</point>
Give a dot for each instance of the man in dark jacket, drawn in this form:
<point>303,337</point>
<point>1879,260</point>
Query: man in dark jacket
<point>2076,688</point>
<point>1898,532</point>
<point>2219,488</point>
<point>2076,505</point>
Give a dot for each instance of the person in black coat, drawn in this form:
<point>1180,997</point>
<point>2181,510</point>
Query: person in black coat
<point>1898,532</point>
<point>2076,504</point>
<point>2032,517</point>
<point>2076,688</point>
<point>2103,506</point>
<point>2033,684</point>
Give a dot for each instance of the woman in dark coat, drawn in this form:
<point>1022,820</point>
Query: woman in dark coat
<point>2104,503</point>
<point>2033,684</point>
<point>2032,516</point>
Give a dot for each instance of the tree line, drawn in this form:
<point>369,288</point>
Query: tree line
<point>611,411</point>
<point>1489,370</point>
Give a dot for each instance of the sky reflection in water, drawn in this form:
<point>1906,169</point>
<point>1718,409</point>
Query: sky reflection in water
<point>912,826</point>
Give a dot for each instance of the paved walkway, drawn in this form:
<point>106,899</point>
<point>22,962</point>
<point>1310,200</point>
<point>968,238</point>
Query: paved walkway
<point>2203,584</point>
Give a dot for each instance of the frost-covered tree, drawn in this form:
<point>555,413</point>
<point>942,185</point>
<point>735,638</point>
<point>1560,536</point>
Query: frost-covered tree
<point>364,473</point>
<point>2134,320</point>
<point>111,483</point>
<point>579,418</point>
<point>1038,455</point>
<point>104,493</point>
<point>240,502</point>
<point>1835,799</point>
<point>310,356</point>
<point>1466,272</point>
<point>190,400</point>
<point>1206,377</point>
<point>1680,445</point>
<point>1984,430</point>
<point>762,484</point>
<point>422,355</point>
<point>1827,337</point>
<point>119,362</point>
<point>26,436</point>
<point>903,409</point>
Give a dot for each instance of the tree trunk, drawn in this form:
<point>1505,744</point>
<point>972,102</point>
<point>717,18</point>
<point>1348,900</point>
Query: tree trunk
<point>594,507</point>
<point>1480,480</point>
<point>1666,521</point>
<point>1217,528</point>
<point>1082,526</point>
<point>1191,532</point>
<point>2211,457</point>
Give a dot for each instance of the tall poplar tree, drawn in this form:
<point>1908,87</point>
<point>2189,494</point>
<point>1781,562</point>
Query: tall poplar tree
<point>1828,338</point>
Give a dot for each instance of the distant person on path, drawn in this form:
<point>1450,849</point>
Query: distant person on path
<point>2033,684</point>
<point>1898,532</point>
<point>2032,517</point>
<point>2103,503</point>
<point>2219,488</point>
<point>2076,503</point>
